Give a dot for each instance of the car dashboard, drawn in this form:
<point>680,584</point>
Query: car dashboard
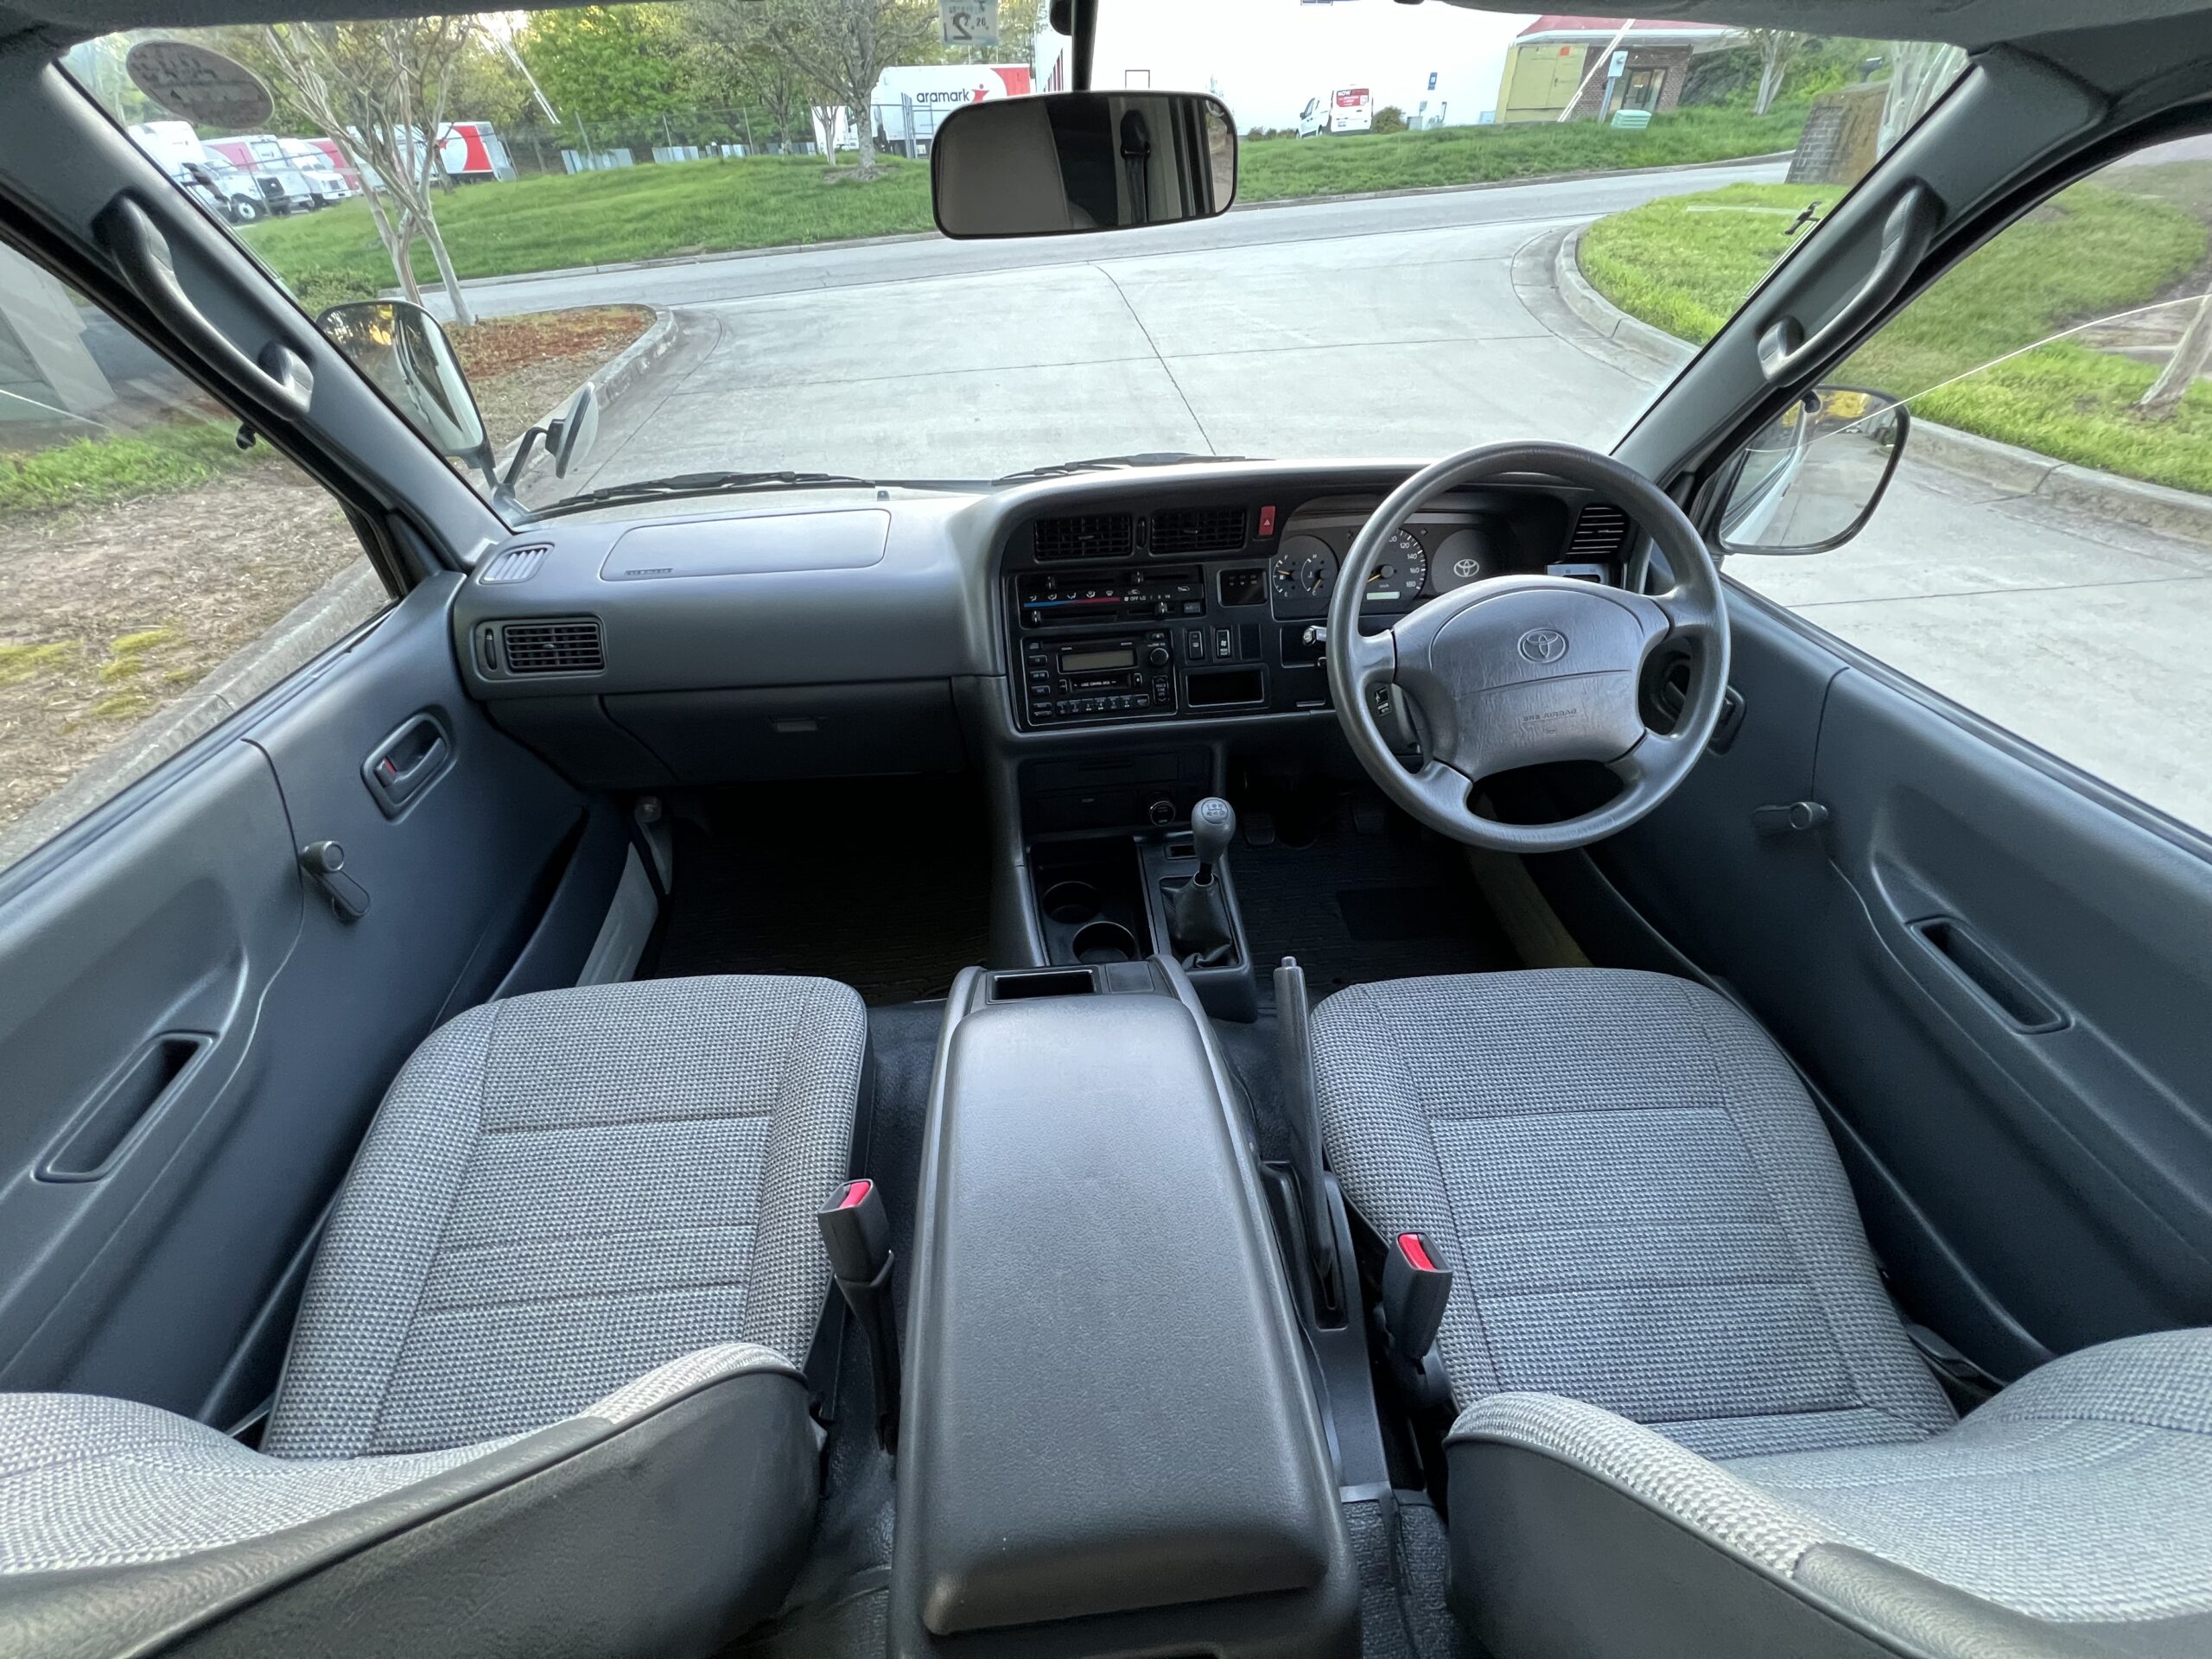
<point>894,629</point>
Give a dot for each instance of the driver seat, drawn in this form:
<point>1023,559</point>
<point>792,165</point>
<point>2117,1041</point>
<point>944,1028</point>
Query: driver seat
<point>1690,1421</point>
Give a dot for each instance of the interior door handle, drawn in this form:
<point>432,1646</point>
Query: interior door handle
<point>1785,353</point>
<point>407,763</point>
<point>138,248</point>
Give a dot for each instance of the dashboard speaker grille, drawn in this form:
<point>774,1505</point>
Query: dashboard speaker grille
<point>1085,535</point>
<point>516,564</point>
<point>1181,532</point>
<point>571,647</point>
<point>1600,533</point>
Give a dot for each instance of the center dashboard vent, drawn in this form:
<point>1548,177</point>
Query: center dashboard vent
<point>516,564</point>
<point>1084,536</point>
<point>1601,532</point>
<point>1184,532</point>
<point>571,646</point>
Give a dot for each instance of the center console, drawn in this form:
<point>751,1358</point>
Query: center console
<point>1110,1442</point>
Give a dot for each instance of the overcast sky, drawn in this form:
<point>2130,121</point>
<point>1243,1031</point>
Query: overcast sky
<point>1266,58</point>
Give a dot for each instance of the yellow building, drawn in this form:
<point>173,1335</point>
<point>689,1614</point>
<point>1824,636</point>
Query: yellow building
<point>1642,69</point>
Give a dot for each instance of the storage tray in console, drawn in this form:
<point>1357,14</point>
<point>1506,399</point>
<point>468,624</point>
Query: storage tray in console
<point>1110,1443</point>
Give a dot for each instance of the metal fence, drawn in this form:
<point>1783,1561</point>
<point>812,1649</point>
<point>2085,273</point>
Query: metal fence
<point>902,128</point>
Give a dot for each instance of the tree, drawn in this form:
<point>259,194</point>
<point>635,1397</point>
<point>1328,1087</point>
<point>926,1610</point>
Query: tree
<point>606,63</point>
<point>1776,46</point>
<point>2191,355</point>
<point>837,49</point>
<point>1920,72</point>
<point>381,90</point>
<point>728,64</point>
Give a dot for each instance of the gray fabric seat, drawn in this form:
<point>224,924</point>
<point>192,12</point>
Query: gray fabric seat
<point>1690,1420</point>
<point>545,1392</point>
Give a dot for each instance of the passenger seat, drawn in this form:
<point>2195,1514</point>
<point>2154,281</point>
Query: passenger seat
<point>543,1397</point>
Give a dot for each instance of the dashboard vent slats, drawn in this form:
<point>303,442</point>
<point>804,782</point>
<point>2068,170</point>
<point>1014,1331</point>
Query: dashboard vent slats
<point>516,564</point>
<point>568,647</point>
<point>1183,533</point>
<point>1601,532</point>
<point>1084,536</point>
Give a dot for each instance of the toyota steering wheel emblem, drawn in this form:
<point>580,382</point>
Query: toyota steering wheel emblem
<point>1543,645</point>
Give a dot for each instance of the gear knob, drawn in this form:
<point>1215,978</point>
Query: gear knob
<point>1213,826</point>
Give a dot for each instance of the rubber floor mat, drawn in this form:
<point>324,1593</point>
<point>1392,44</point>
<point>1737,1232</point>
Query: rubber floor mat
<point>1357,892</point>
<point>882,883</point>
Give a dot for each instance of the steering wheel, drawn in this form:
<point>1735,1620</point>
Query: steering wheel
<point>1517,671</point>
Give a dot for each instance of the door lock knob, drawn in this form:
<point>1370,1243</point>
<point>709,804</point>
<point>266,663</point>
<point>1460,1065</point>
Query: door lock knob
<point>324,863</point>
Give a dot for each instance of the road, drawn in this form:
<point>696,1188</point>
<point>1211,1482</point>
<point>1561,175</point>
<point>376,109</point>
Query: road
<point>1393,327</point>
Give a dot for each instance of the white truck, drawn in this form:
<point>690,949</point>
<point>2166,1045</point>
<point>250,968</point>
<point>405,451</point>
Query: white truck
<point>1346,109</point>
<point>910,99</point>
<point>208,178</point>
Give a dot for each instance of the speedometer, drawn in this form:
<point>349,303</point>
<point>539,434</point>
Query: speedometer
<point>1399,574</point>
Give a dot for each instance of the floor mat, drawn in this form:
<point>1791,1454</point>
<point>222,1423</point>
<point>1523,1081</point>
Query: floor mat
<point>1357,892</point>
<point>882,883</point>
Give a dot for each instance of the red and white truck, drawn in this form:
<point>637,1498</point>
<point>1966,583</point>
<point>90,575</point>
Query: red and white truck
<point>1347,108</point>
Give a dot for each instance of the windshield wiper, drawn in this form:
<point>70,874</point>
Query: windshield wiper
<point>652,489</point>
<point>1109,463</point>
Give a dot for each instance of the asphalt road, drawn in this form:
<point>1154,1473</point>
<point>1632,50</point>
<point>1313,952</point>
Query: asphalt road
<point>1386,327</point>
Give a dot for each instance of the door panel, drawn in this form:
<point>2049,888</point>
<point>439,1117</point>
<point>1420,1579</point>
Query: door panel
<point>315,1014</point>
<point>2032,1184</point>
<point>178,920</point>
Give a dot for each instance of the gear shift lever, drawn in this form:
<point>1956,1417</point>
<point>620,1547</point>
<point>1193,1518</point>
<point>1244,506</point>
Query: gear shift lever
<point>1198,911</point>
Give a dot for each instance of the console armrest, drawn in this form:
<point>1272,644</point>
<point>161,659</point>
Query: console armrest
<point>1106,1410</point>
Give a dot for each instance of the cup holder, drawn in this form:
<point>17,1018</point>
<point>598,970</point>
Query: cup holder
<point>1104,941</point>
<point>1071,903</point>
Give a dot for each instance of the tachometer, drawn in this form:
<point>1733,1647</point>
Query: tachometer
<point>1463,556</point>
<point>1399,574</point>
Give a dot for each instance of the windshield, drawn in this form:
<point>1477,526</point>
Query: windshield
<point>723,226</point>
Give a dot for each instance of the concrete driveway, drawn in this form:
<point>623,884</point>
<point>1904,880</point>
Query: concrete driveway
<point>1393,327</point>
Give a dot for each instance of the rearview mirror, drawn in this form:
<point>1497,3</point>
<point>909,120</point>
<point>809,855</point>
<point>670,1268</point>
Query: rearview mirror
<point>1811,478</point>
<point>1073,161</point>
<point>404,354</point>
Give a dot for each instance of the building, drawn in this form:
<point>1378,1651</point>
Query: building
<point>1592,64</point>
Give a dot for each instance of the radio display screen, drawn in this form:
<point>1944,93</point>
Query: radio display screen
<point>1084,662</point>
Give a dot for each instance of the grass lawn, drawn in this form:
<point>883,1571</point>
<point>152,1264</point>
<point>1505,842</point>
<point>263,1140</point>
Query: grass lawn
<point>1685,263</point>
<point>674,208</point>
<point>89,471</point>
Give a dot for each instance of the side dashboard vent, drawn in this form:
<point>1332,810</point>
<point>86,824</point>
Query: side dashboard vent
<point>1085,535</point>
<point>571,646</point>
<point>1600,533</point>
<point>1184,532</point>
<point>516,564</point>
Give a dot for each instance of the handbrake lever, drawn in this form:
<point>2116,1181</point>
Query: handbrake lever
<point>1303,1109</point>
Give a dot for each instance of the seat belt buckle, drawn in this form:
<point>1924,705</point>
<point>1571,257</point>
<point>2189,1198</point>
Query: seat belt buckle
<point>857,1237</point>
<point>1416,1286</point>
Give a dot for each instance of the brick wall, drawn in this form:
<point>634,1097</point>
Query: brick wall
<point>1674,62</point>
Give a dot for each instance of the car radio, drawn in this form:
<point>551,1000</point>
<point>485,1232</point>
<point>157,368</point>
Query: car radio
<point>1118,676</point>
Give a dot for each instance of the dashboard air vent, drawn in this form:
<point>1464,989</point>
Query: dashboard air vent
<point>516,564</point>
<point>1600,533</point>
<point>1184,532</point>
<point>568,647</point>
<point>1086,535</point>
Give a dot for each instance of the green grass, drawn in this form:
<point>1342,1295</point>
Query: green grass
<point>1275,170</point>
<point>1686,264</point>
<point>90,472</point>
<point>650,212</point>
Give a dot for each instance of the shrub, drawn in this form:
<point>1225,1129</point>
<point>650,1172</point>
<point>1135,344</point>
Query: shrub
<point>318,287</point>
<point>1389,118</point>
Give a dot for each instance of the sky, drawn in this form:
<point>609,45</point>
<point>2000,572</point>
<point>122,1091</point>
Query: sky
<point>1265,58</point>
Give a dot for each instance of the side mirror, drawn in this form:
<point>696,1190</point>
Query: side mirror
<point>404,354</point>
<point>1072,161</point>
<point>1809,481</point>
<point>571,435</point>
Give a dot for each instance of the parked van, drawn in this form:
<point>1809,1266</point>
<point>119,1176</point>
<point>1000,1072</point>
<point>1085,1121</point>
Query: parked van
<point>1348,109</point>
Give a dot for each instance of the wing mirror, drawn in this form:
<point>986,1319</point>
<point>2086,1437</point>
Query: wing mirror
<point>1811,478</point>
<point>1073,161</point>
<point>406,354</point>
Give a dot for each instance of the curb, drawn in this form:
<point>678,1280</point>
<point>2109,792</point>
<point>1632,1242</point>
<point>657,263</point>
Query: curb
<point>722,256</point>
<point>2002,466</point>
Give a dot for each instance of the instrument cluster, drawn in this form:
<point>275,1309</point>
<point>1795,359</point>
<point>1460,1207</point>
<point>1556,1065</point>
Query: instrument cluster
<point>1436,551</point>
